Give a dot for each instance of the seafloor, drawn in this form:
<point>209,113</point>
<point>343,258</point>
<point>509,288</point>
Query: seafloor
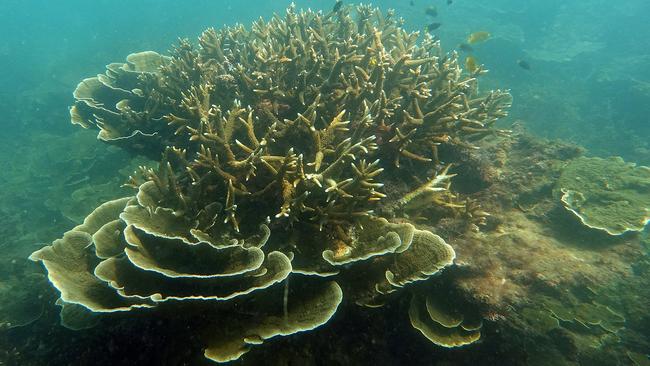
<point>553,291</point>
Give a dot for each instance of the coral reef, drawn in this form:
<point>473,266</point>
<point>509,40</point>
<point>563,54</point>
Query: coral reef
<point>540,280</point>
<point>531,257</point>
<point>606,194</point>
<point>299,151</point>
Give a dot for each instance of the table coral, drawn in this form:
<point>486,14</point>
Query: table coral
<point>606,194</point>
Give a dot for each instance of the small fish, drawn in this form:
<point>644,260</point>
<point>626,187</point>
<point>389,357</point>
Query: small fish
<point>523,64</point>
<point>412,3</point>
<point>337,6</point>
<point>477,37</point>
<point>449,2</point>
<point>433,26</point>
<point>471,64</point>
<point>431,11</point>
<point>465,47</point>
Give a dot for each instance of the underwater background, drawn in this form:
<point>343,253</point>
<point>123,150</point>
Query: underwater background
<point>578,73</point>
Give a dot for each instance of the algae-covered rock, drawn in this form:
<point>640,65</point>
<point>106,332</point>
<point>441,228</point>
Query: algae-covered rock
<point>606,194</point>
<point>542,320</point>
<point>639,359</point>
<point>18,307</point>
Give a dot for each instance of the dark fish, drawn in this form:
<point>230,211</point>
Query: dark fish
<point>523,64</point>
<point>337,6</point>
<point>433,26</point>
<point>465,47</point>
<point>431,11</point>
<point>449,2</point>
<point>471,64</point>
<point>412,3</point>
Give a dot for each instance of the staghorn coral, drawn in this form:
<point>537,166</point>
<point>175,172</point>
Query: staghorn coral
<point>328,76</point>
<point>290,152</point>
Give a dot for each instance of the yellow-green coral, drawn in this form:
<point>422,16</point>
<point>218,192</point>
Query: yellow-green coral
<point>298,153</point>
<point>442,325</point>
<point>606,194</point>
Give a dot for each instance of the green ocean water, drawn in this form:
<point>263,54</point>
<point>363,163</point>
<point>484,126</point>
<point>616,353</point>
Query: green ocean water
<point>585,81</point>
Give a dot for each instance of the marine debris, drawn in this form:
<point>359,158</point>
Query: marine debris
<point>299,151</point>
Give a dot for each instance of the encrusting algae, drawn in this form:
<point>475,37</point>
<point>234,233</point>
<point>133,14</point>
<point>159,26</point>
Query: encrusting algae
<point>304,149</point>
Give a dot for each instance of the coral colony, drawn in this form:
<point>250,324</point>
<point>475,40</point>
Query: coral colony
<point>302,162</point>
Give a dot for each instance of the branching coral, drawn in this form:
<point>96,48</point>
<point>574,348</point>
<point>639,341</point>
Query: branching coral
<point>296,146</point>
